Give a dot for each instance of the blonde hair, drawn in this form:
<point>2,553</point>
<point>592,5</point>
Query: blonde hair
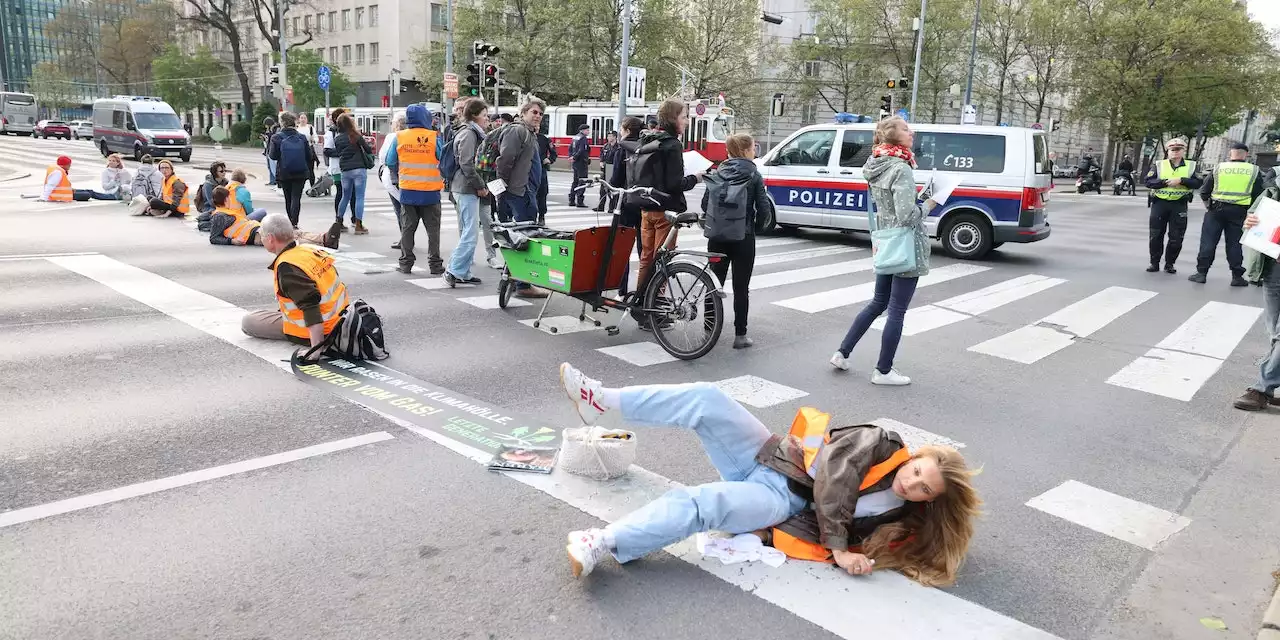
<point>929,544</point>
<point>238,175</point>
<point>740,145</point>
<point>117,157</point>
<point>164,163</point>
<point>888,131</point>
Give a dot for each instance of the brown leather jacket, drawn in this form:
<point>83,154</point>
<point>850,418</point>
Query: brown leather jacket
<point>834,494</point>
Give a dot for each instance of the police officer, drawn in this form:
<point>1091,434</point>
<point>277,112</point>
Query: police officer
<point>1172,182</point>
<point>1228,192</point>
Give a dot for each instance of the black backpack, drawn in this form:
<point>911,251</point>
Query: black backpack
<point>643,168</point>
<point>728,204</point>
<point>358,335</point>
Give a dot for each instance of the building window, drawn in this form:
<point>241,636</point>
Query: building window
<point>346,54</point>
<point>320,53</point>
<point>439,17</point>
<point>809,114</point>
<point>295,25</point>
<point>359,54</point>
<point>333,21</point>
<point>373,15</point>
<point>374,57</point>
<point>320,23</point>
<point>346,19</point>
<point>812,68</point>
<point>359,17</point>
<point>306,23</point>
<point>333,55</point>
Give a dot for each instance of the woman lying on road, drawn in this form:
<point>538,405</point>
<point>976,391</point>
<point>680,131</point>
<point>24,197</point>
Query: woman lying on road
<point>873,503</point>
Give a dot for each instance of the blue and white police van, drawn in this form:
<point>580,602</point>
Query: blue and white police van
<point>815,180</point>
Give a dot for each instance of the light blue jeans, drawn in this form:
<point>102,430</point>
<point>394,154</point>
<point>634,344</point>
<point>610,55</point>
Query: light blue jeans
<point>1269,370</point>
<point>258,214</point>
<point>750,496</point>
<point>271,171</point>
<point>468,206</point>
<point>353,181</point>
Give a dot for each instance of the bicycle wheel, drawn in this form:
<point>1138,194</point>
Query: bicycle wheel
<point>505,288</point>
<point>684,310</point>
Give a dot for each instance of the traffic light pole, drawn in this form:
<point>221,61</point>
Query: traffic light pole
<point>448,52</point>
<point>284,59</point>
<point>626,60</point>
<point>915,78</point>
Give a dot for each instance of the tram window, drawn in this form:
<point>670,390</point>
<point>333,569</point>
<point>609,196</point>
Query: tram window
<point>722,127</point>
<point>702,133</point>
<point>572,122</point>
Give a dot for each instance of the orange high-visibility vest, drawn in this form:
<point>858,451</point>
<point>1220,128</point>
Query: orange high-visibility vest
<point>233,203</point>
<point>241,230</point>
<point>167,195</point>
<point>419,167</point>
<point>810,426</point>
<point>318,265</point>
<point>62,192</point>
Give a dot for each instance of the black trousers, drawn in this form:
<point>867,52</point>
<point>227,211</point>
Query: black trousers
<point>543,190</point>
<point>1219,220</point>
<point>577,195</point>
<point>1171,216</point>
<point>293,188</point>
<point>742,256</point>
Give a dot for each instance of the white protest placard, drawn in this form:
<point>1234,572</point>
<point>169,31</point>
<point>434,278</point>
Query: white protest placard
<point>695,163</point>
<point>1264,237</point>
<point>941,185</point>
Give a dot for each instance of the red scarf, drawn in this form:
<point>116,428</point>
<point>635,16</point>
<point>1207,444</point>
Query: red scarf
<point>895,151</point>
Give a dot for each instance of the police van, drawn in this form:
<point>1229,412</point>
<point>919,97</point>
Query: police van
<point>815,180</point>
<point>138,126</point>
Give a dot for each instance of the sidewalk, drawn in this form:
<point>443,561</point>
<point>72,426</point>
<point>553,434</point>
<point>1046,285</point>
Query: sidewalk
<point>1271,619</point>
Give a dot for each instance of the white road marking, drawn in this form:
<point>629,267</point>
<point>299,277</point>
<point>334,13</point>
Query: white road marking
<point>1181,363</point>
<point>1060,329</point>
<point>915,437</point>
<point>28,514</point>
<point>758,392</point>
<point>641,354</point>
<point>1121,518</point>
<point>42,256</point>
<point>436,283</point>
<point>962,307</point>
<point>694,241</point>
<point>491,302</point>
<point>794,276</point>
<point>563,325</point>
<point>804,254</point>
<point>891,603</point>
<point>361,255</point>
<point>845,296</point>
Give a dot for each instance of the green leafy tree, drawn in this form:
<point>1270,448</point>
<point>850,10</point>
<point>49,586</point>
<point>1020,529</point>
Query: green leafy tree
<point>112,41</point>
<point>1049,43</point>
<point>265,109</point>
<point>1002,34</point>
<point>304,67</point>
<point>838,64</point>
<point>428,67</point>
<point>187,82</point>
<point>53,88</point>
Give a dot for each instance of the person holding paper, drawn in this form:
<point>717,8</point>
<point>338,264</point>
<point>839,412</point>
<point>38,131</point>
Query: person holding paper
<point>891,179</point>
<point>1227,193</point>
<point>1172,182</point>
<point>1261,270</point>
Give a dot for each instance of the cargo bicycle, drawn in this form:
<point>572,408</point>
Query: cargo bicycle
<point>682,303</point>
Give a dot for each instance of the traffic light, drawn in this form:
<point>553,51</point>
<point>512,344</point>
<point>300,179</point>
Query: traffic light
<point>490,75</point>
<point>1054,125</point>
<point>891,84</point>
<point>886,106</point>
<point>904,83</point>
<point>474,80</point>
<point>482,49</point>
<point>275,74</point>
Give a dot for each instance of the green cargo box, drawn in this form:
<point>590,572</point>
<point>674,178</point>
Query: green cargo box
<point>543,263</point>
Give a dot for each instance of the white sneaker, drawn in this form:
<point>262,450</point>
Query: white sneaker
<point>840,362</point>
<point>494,262</point>
<point>891,379</point>
<point>586,549</point>
<point>587,394</point>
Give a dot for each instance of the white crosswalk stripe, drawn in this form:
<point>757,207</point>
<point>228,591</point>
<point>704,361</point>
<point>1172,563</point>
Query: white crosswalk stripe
<point>1062,328</point>
<point>962,307</point>
<point>845,296</point>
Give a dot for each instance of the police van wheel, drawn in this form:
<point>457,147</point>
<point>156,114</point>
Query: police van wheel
<point>138,153</point>
<point>967,236</point>
<point>767,222</point>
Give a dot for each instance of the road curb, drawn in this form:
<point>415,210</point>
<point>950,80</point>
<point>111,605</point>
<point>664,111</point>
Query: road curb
<point>1271,620</point>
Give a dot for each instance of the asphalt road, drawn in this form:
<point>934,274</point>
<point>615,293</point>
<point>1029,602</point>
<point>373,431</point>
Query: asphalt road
<point>1149,495</point>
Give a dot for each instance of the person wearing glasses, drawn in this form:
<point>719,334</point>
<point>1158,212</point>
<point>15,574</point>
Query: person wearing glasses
<point>520,167</point>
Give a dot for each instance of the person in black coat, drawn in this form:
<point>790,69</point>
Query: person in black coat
<point>547,152</point>
<point>580,156</point>
<point>629,213</point>
<point>661,165</point>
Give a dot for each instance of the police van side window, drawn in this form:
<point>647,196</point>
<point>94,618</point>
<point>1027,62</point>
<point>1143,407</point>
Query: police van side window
<point>809,149</point>
<point>965,152</point>
<point>855,148</point>
<point>118,119</point>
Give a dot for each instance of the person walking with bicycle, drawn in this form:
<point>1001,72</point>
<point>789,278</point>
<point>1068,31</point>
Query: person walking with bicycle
<point>628,211</point>
<point>892,189</point>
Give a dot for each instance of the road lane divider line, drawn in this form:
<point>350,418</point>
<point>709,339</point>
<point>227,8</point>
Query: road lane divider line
<point>1121,518</point>
<point>1062,328</point>
<point>965,306</point>
<point>42,256</point>
<point>1185,360</point>
<point>88,501</point>
<point>845,296</point>
<point>891,604</point>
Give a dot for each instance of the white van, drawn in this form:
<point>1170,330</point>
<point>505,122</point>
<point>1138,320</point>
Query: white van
<point>1002,199</point>
<point>137,126</point>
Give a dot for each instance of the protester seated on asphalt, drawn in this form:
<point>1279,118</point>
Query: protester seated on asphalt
<point>240,197</point>
<point>857,498</point>
<point>217,177</point>
<point>309,293</point>
<point>57,185</point>
<point>229,225</point>
<point>115,178</point>
<point>175,198</point>
<point>147,182</point>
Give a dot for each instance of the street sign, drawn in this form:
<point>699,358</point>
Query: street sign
<point>699,109</point>
<point>779,104</point>
<point>1037,126</point>
<point>905,114</point>
<point>451,86</point>
<point>322,77</point>
<point>636,77</point>
<point>217,133</point>
<point>969,115</point>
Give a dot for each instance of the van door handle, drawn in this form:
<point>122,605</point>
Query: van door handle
<point>846,172</point>
<point>822,171</point>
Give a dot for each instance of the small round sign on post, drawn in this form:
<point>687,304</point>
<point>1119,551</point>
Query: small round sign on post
<point>1037,126</point>
<point>217,133</point>
<point>322,77</point>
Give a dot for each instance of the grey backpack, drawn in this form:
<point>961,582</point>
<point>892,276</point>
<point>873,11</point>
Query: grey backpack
<point>726,213</point>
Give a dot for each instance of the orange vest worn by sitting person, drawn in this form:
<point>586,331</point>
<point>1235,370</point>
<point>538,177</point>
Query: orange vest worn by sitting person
<point>419,167</point>
<point>318,265</point>
<point>232,202</point>
<point>62,192</point>
<point>167,194</point>
<point>241,231</point>
<point>810,426</point>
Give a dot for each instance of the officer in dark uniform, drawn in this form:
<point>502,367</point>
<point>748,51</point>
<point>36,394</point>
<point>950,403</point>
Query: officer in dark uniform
<point>1228,193</point>
<point>1172,182</point>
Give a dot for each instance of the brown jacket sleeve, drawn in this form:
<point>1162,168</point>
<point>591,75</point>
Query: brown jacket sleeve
<point>849,454</point>
<point>296,286</point>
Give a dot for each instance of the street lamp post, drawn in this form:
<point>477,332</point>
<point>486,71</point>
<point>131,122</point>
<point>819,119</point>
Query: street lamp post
<point>448,52</point>
<point>626,60</point>
<point>284,57</point>
<point>915,78</point>
<point>973,56</point>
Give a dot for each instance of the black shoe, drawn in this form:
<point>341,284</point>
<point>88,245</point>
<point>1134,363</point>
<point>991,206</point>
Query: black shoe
<point>405,269</point>
<point>472,280</point>
<point>332,236</point>
<point>435,271</point>
<point>599,209</point>
<point>1153,268</point>
<point>395,245</point>
<point>1238,281</point>
<point>1168,268</point>
<point>450,279</point>
<point>1198,278</point>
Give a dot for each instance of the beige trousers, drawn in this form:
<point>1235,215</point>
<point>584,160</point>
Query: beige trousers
<point>267,324</point>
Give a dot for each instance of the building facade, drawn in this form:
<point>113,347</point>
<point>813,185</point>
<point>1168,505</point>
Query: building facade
<point>25,43</point>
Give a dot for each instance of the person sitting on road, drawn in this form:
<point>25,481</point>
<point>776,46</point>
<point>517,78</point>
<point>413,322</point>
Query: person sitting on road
<point>57,185</point>
<point>175,198</point>
<point>115,178</point>
<point>859,499</point>
<point>309,292</point>
<point>147,182</point>
<point>241,198</point>
<point>217,177</point>
<point>230,226</point>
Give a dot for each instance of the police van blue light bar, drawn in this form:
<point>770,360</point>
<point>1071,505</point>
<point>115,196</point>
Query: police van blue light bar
<point>850,118</point>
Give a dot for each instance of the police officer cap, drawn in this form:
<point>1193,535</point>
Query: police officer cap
<point>1177,142</point>
<point>583,127</point>
<point>1239,146</point>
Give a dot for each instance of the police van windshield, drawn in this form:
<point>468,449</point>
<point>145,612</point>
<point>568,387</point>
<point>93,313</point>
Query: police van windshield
<point>156,121</point>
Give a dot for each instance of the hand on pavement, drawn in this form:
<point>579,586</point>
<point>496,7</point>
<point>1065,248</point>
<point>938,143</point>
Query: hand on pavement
<point>855,563</point>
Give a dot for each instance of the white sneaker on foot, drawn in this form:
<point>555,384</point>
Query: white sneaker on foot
<point>494,262</point>
<point>586,549</point>
<point>840,362</point>
<point>587,394</point>
<point>891,379</point>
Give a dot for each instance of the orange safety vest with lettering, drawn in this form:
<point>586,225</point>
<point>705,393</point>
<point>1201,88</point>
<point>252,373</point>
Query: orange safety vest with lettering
<point>167,194</point>
<point>419,167</point>
<point>810,426</point>
<point>62,192</point>
<point>232,203</point>
<point>318,265</point>
<point>240,231</point>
